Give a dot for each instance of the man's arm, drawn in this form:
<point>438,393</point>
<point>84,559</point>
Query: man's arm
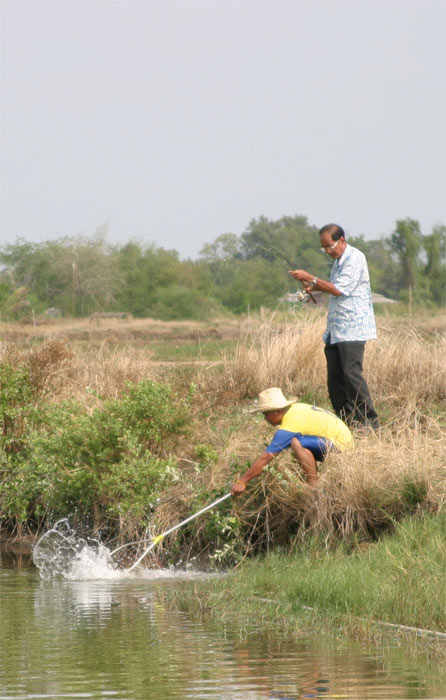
<point>254,470</point>
<point>313,284</point>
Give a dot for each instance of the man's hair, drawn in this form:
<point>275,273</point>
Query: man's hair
<point>334,230</point>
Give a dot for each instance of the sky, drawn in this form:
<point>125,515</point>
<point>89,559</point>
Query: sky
<point>171,122</point>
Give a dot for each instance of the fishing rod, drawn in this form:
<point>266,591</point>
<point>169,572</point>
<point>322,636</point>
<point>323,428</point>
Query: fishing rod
<point>160,537</point>
<point>290,266</point>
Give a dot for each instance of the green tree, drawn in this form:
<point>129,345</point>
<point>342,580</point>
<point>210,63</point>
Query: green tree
<point>435,247</point>
<point>288,242</point>
<point>144,272</point>
<point>251,284</point>
<point>225,246</point>
<point>75,274</point>
<point>406,241</point>
<point>177,302</point>
<point>292,236</point>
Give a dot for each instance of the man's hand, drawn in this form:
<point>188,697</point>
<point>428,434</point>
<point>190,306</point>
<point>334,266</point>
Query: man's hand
<point>254,470</point>
<point>302,276</point>
<point>238,487</point>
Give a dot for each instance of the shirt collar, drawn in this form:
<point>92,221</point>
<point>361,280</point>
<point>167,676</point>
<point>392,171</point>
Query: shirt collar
<point>344,254</point>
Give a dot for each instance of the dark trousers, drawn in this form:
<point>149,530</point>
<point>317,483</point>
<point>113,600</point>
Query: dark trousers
<point>347,388</point>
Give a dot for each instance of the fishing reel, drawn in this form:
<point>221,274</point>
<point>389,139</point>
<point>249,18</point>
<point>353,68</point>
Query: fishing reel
<point>302,296</point>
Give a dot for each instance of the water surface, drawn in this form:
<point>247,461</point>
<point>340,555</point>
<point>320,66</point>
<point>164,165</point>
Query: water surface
<point>119,637</point>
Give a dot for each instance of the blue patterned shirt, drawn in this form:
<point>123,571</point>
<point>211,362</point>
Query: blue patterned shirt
<point>350,316</point>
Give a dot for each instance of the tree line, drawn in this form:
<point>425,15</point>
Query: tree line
<point>75,276</point>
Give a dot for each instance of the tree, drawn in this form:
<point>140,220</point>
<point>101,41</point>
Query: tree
<point>94,277</point>
<point>74,274</point>
<point>144,270</point>
<point>80,274</point>
<point>288,243</point>
<point>290,236</point>
<point>435,247</point>
<point>177,302</point>
<point>244,284</point>
<point>406,241</point>
<point>225,246</point>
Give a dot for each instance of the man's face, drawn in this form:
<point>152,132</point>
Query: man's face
<point>273,417</point>
<point>333,248</point>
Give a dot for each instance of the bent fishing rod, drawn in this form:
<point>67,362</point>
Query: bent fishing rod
<point>289,265</point>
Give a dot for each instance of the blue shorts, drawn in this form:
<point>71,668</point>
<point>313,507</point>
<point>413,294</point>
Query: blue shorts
<point>318,446</point>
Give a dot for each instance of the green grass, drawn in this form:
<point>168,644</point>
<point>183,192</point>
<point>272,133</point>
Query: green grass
<point>181,351</point>
<point>399,580</point>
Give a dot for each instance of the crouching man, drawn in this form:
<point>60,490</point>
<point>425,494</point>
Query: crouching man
<point>309,431</point>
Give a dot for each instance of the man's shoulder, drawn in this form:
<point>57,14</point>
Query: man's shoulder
<point>299,410</point>
<point>296,409</point>
<point>354,253</point>
<point>297,406</point>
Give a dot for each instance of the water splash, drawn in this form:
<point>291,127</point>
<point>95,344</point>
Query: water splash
<point>62,553</point>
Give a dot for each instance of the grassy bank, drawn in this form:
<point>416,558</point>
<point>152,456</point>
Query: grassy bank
<point>399,580</point>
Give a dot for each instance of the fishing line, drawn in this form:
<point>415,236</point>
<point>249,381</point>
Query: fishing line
<point>289,266</point>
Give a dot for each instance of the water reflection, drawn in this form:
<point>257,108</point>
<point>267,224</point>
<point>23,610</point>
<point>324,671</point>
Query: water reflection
<point>121,639</point>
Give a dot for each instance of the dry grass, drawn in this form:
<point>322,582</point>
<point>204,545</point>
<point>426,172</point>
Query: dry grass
<point>384,477</point>
<point>401,471</point>
<point>407,369</point>
<point>359,495</point>
<point>288,355</point>
<point>404,369</point>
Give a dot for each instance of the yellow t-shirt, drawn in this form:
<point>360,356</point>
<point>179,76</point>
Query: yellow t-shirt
<point>311,420</point>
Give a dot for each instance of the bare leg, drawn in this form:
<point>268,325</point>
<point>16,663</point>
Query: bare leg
<point>306,460</point>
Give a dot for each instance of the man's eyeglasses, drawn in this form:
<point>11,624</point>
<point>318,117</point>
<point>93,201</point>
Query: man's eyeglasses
<point>329,248</point>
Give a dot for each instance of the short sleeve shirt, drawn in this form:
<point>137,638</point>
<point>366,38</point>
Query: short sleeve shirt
<point>303,419</point>
<point>350,315</point>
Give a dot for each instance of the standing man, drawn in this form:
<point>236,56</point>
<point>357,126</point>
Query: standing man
<point>350,323</point>
<point>309,431</point>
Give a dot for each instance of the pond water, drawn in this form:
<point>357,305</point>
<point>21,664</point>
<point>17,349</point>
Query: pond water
<point>118,636</point>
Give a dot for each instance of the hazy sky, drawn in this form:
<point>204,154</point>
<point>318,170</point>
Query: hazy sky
<point>176,121</point>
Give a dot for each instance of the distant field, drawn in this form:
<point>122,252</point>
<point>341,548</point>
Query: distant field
<point>113,330</point>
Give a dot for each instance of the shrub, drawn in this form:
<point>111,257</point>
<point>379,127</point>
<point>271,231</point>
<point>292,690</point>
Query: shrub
<point>110,463</point>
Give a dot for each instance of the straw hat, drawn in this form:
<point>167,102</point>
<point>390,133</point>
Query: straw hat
<point>272,400</point>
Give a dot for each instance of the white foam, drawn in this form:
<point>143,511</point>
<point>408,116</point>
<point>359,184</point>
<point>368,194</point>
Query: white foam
<point>61,553</point>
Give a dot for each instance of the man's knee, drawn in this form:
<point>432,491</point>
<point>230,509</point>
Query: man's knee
<point>303,454</point>
<point>296,445</point>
